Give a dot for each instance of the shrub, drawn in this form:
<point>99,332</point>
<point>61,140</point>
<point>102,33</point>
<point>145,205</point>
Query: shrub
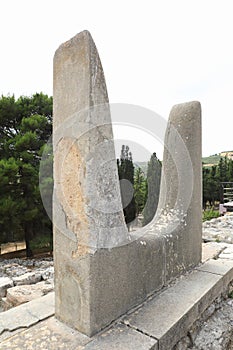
<point>210,214</point>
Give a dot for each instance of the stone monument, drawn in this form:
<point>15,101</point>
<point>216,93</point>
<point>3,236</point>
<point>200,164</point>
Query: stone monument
<point>102,270</point>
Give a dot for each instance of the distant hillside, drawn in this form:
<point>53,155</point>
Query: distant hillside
<point>214,160</point>
<point>211,160</point>
<point>207,161</point>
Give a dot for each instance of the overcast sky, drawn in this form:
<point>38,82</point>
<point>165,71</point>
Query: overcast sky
<point>155,53</point>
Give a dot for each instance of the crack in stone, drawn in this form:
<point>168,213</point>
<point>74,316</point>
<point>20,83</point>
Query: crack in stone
<point>220,252</point>
<point>210,272</point>
<point>139,330</point>
<point>33,323</point>
<point>18,328</point>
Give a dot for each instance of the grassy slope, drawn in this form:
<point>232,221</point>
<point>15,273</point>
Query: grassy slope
<point>211,159</point>
<point>214,160</point>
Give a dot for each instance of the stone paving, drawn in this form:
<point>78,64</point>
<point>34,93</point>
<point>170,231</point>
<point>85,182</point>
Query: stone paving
<point>160,321</point>
<point>33,326</point>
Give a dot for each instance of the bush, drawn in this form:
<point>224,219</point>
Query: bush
<point>40,241</point>
<point>210,214</point>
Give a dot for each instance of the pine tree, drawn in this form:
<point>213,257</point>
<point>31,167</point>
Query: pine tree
<point>212,181</point>
<point>153,183</point>
<point>25,126</point>
<point>230,171</point>
<point>140,190</point>
<point>222,170</point>
<point>126,172</point>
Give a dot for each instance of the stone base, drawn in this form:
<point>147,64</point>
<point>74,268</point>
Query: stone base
<point>159,323</point>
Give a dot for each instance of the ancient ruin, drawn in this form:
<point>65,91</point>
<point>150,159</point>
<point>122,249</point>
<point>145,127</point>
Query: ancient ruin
<point>102,270</point>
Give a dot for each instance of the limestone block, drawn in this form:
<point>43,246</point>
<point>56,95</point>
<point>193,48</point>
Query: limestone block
<point>27,314</point>
<point>122,338</point>
<point>5,283</point>
<point>179,214</point>
<point>168,315</point>
<point>102,270</point>
<point>24,293</point>
<point>27,278</point>
<point>48,274</point>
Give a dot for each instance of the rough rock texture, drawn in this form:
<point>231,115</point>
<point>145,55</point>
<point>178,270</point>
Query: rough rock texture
<point>27,278</point>
<point>24,293</point>
<point>87,201</point>
<point>5,283</point>
<point>220,229</point>
<point>25,275</point>
<point>213,331</point>
<point>179,213</point>
<point>217,331</point>
<point>101,271</point>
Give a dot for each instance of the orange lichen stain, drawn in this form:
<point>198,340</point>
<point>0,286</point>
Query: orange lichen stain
<point>71,178</point>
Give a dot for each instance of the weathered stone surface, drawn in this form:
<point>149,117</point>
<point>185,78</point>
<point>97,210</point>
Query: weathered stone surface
<point>17,267</point>
<point>211,250</point>
<point>26,315</point>
<point>168,316</point>
<point>27,278</point>
<point>220,266</point>
<point>216,332</point>
<point>191,295</point>
<point>219,229</point>
<point>48,273</point>
<point>90,197</point>
<point>83,141</point>
<point>122,337</point>
<point>5,283</point>
<point>47,335</point>
<point>101,271</point>
<point>179,214</point>
<point>22,294</point>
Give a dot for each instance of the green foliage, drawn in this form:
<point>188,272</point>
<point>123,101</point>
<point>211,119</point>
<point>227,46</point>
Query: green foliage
<point>153,188</point>
<point>210,214</point>
<point>230,171</point>
<point>40,241</point>
<point>126,172</point>
<point>140,190</point>
<point>212,178</point>
<point>211,159</point>
<point>25,126</point>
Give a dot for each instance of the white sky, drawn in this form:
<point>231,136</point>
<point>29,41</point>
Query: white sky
<point>155,53</point>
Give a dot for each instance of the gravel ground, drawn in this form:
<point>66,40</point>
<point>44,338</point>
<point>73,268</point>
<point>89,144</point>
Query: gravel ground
<point>219,230</point>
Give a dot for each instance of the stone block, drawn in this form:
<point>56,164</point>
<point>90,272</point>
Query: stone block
<point>169,315</point>
<point>179,213</point>
<point>28,314</point>
<point>221,267</point>
<point>22,294</point>
<point>211,250</point>
<point>102,270</point>
<point>122,337</point>
<point>5,283</point>
<point>47,335</point>
<point>27,278</point>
